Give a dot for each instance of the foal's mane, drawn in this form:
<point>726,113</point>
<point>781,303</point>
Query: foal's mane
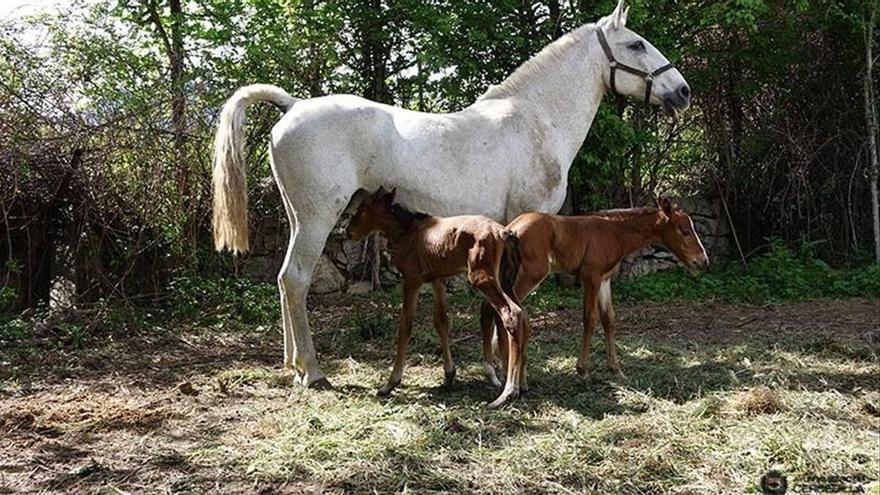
<point>405,216</point>
<point>624,214</point>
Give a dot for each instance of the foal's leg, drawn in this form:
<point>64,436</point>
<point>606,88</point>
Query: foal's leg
<point>487,327</point>
<point>510,315</point>
<point>532,272</point>
<point>441,323</point>
<point>606,312</point>
<point>410,300</point>
<point>591,303</point>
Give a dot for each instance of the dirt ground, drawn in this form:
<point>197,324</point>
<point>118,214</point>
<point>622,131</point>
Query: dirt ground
<point>133,414</point>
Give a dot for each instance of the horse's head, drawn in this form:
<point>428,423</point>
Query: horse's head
<point>678,234</point>
<point>373,215</point>
<point>637,69</point>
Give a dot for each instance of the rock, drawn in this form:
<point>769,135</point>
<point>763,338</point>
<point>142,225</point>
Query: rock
<point>326,278</point>
<point>261,268</point>
<point>458,284</point>
<point>186,388</point>
<point>359,288</point>
<point>567,279</point>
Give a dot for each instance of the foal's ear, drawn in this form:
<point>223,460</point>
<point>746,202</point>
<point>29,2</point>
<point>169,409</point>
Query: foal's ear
<point>664,205</point>
<point>389,198</point>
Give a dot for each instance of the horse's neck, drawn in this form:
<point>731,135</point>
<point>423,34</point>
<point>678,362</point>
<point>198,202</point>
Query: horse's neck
<point>400,235</point>
<point>562,86</point>
<point>637,231</point>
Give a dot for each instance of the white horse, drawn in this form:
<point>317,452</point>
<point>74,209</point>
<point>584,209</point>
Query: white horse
<point>506,154</point>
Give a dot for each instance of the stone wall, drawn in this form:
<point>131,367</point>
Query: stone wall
<point>346,265</point>
<point>709,222</point>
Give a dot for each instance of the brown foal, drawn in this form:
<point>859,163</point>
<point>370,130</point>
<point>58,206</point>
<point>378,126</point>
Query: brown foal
<point>430,249</point>
<point>592,247</point>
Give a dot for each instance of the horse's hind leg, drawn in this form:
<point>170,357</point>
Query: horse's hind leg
<point>441,323</point>
<point>487,327</point>
<point>303,253</point>
<point>606,312</point>
<point>510,315</point>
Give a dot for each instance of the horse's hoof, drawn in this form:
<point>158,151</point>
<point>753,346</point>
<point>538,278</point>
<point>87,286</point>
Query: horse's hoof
<point>449,378</point>
<point>321,384</point>
<point>385,390</point>
<point>502,401</point>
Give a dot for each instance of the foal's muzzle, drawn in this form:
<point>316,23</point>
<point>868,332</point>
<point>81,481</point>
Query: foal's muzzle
<point>675,102</point>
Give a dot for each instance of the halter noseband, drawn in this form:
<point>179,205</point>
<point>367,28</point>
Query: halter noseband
<point>615,65</point>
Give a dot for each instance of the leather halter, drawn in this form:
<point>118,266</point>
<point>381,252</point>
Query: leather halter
<point>615,66</point>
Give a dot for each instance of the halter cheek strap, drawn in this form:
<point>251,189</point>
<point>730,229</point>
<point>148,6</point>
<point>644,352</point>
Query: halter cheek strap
<point>615,66</point>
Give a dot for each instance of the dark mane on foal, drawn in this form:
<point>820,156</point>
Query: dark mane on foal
<point>625,213</point>
<point>405,216</point>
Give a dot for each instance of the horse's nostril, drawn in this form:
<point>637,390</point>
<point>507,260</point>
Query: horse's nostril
<point>684,91</point>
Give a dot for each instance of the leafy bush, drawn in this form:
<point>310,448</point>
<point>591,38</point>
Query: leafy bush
<point>211,301</point>
<point>779,275</point>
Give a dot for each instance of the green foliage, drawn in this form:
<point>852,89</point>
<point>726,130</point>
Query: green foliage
<point>369,325</point>
<point>777,276</point>
<point>219,301</point>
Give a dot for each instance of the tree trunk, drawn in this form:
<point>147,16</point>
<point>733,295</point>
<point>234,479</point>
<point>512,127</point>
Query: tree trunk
<point>871,122</point>
<point>555,18</point>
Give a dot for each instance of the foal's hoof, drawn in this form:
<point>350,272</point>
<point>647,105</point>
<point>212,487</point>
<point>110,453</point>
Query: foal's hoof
<point>449,378</point>
<point>502,401</point>
<point>385,390</point>
<point>583,371</point>
<point>321,384</point>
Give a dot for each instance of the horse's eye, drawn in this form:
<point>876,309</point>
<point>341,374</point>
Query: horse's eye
<point>637,46</point>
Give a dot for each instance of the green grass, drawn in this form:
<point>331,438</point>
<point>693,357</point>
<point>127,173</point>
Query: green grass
<point>711,402</point>
<point>699,417</point>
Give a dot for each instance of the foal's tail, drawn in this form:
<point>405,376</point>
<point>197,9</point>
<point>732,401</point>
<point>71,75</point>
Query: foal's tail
<point>230,184</point>
<point>510,261</point>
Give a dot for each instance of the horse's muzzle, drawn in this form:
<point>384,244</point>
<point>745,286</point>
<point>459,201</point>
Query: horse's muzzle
<point>675,102</point>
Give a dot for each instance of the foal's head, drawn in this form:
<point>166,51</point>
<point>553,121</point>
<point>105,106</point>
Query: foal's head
<point>373,215</point>
<point>678,234</point>
<point>379,213</point>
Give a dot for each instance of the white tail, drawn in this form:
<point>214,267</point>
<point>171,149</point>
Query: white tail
<point>230,183</point>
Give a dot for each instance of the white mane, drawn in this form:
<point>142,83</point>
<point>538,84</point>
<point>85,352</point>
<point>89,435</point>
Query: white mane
<point>546,60</point>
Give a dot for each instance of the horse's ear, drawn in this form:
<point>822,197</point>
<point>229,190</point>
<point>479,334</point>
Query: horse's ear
<point>664,205</point>
<point>618,17</point>
<point>391,194</point>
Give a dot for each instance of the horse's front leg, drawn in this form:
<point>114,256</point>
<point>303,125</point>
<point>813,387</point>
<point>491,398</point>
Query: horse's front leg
<point>606,312</point>
<point>404,330</point>
<point>441,323</point>
<point>591,316</point>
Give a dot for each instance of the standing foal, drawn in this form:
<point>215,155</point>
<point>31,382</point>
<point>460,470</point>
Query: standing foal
<point>430,249</point>
<point>592,246</point>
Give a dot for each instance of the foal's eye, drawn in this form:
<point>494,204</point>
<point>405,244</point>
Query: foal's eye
<point>637,46</point>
